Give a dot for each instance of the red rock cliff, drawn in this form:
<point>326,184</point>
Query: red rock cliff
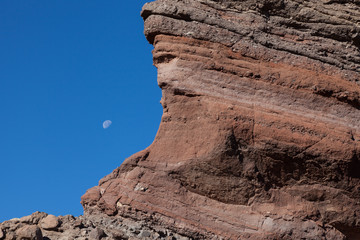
<point>260,135</point>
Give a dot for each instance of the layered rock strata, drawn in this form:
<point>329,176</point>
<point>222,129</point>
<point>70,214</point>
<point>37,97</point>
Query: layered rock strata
<point>260,132</point>
<point>260,135</point>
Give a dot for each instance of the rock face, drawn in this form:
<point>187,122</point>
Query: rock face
<point>260,132</point>
<point>260,135</point>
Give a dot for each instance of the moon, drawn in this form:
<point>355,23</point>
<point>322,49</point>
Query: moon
<point>107,124</point>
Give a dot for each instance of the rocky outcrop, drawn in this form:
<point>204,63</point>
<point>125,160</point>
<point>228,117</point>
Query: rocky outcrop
<point>41,226</point>
<point>260,135</point>
<point>260,132</point>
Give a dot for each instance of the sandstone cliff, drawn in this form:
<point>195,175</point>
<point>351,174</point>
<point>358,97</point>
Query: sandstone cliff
<point>260,135</point>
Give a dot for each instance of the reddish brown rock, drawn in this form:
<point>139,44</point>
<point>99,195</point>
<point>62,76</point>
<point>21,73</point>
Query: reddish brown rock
<point>260,132</point>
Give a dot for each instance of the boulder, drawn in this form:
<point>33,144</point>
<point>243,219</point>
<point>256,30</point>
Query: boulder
<point>97,234</point>
<point>29,232</point>
<point>50,222</point>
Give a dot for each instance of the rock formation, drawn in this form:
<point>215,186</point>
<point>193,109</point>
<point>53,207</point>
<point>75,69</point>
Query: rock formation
<point>260,135</point>
<point>41,226</point>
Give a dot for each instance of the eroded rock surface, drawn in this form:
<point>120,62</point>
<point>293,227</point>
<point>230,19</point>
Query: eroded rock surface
<point>260,132</point>
<point>260,135</point>
<point>41,226</point>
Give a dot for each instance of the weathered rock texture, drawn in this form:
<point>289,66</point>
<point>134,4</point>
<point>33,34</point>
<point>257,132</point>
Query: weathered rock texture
<point>260,132</point>
<point>260,135</point>
<point>41,226</point>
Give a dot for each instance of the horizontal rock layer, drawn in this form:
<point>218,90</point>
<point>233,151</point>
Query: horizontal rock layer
<point>260,135</point>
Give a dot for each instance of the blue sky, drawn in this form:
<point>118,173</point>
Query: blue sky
<point>65,67</point>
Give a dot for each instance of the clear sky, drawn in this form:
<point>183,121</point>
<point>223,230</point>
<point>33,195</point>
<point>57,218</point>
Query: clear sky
<point>65,67</point>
